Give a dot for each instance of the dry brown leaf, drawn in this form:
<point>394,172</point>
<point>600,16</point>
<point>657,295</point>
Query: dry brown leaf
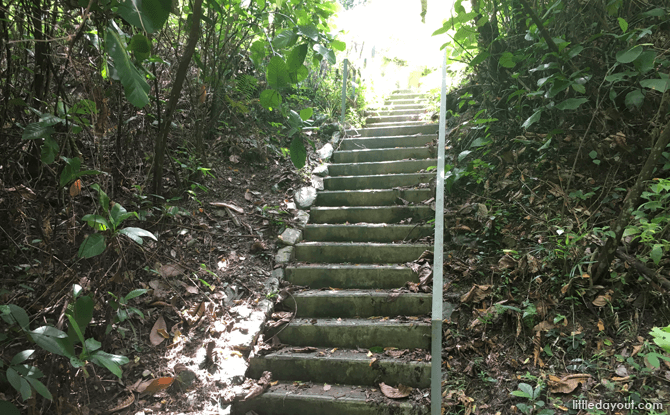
<point>476,294</point>
<point>75,189</point>
<point>601,325</point>
<point>228,205</point>
<point>153,386</point>
<point>567,384</point>
<point>372,361</point>
<point>171,270</point>
<point>248,196</point>
<point>395,393</point>
<point>156,337</point>
<point>603,299</point>
<point>123,405</point>
<point>537,349</point>
<point>544,326</point>
<point>506,262</point>
<point>533,264</point>
<point>308,349</point>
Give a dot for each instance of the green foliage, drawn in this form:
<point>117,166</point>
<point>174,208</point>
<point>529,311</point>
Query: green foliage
<point>651,219</point>
<point>96,243</point>
<point>134,83</point>
<point>533,397</point>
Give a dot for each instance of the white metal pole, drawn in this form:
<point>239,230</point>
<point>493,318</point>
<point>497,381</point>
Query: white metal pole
<point>438,260</point>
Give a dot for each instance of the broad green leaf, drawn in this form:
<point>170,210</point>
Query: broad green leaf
<point>116,213</point>
<point>83,311</point>
<point>47,337</point>
<point>135,293</point>
<point>72,166</point>
<point>629,55</point>
<point>507,60</point>
<point>309,31</point>
<point>49,150</point>
<point>645,62</point>
<point>92,344</point>
<point>306,113</point>
<point>326,53</point>
<point>37,130</point>
<point>21,357</point>
<point>634,99</point>
<point>296,57</point>
<point>298,152</point>
<point>575,51</point>
<point>623,24</point>
<point>93,245</point>
<point>557,87</point>
<point>299,75</point>
<point>8,408</point>
<point>136,234</point>
<point>277,73</point>
<point>571,103</point>
<point>544,67</point>
<point>102,197</point>
<point>20,384</point>
<point>338,45</point>
<point>141,46</point>
<point>463,154</point>
<point>110,361</point>
<point>661,337</point>
<point>76,329</point>
<point>527,389</point>
<point>134,84</point>
<point>147,15</point>
<point>657,12</point>
<point>656,253</point>
<point>659,85</point>
<point>257,52</point>
<point>20,316</point>
<point>285,39</point>
<point>39,388</point>
<point>579,88</point>
<point>532,119</point>
<point>96,222</point>
<point>270,99</point>
<point>479,58</point>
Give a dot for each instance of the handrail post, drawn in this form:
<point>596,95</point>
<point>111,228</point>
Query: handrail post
<point>438,260</point>
<point>344,91</point>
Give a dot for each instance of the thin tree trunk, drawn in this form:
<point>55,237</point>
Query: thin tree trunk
<point>607,252</point>
<point>161,139</point>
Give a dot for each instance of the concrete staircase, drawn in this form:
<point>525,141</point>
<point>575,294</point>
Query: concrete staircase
<point>351,256</point>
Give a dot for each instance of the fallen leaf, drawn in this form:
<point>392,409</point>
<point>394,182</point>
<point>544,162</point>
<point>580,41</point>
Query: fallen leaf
<point>603,299</point>
<point>326,387</point>
<point>155,337</point>
<point>567,384</point>
<point>476,294</point>
<point>601,325</point>
<point>153,386</point>
<point>75,189</point>
<point>228,205</point>
<point>248,196</point>
<point>395,393</point>
<point>123,405</point>
<point>171,270</point>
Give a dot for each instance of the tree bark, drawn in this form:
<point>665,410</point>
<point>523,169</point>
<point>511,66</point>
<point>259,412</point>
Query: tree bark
<point>607,252</point>
<point>161,139</point>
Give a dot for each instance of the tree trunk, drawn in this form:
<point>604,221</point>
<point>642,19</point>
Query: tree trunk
<point>607,252</point>
<point>161,139</point>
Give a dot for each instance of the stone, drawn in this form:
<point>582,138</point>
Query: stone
<point>321,170</point>
<point>336,138</point>
<point>284,255</point>
<point>305,197</point>
<point>291,236</point>
<point>317,182</point>
<point>301,219</point>
<point>325,152</point>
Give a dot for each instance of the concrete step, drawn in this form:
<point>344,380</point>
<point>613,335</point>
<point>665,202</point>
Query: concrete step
<point>383,154</point>
<point>289,399</point>
<point>383,167</point>
<point>399,129</point>
<point>407,95</point>
<point>397,106</point>
<point>392,118</point>
<point>389,112</point>
<point>406,101</point>
<point>369,214</point>
<point>350,276</point>
<point>395,123</point>
<point>376,181</point>
<point>357,303</point>
<point>372,232</point>
<point>354,333</point>
<point>358,252</point>
<point>387,142</point>
<point>350,367</point>
<point>375,197</point>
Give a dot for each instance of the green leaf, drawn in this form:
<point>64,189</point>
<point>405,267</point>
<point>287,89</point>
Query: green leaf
<point>147,15</point>
<point>21,317</point>
<point>479,58</point>
<point>571,103</point>
<point>21,357</point>
<point>629,55</point>
<point>463,154</point>
<point>579,88</point>
<point>47,337</point>
<point>93,245</point>
<point>623,24</point>
<point>257,52</point>
<point>118,214</point>
<point>306,113</point>
<point>656,253</point>
<point>634,99</point>
<point>83,311</point>
<point>102,197</point>
<point>527,389</point>
<point>298,152</point>
<point>338,45</point>
<point>325,53</point>
<point>8,408</point>
<point>661,337</point>
<point>39,388</point>
<point>532,119</point>
<point>140,45</point>
<point>136,234</point>
<point>76,329</point>
<point>19,383</point>
<point>296,57</point>
<point>575,51</point>
<point>134,84</point>
<point>92,344</point>
<point>270,99</point>
<point>72,166</point>
<point>660,85</point>
<point>96,222</point>
<point>507,60</point>
<point>37,130</point>
<point>135,293</point>
<point>657,12</point>
<point>309,31</point>
<point>299,75</point>
<point>49,150</point>
<point>645,62</point>
<point>110,361</point>
<point>277,73</point>
<point>285,39</point>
